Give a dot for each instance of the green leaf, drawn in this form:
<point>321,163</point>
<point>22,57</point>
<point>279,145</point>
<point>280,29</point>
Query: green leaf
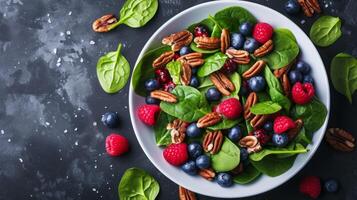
<point>113,71</point>
<point>227,158</point>
<point>212,63</point>
<point>236,80</point>
<point>266,107</point>
<point>136,13</point>
<point>232,17</point>
<point>325,31</point>
<point>273,166</point>
<point>194,48</point>
<point>191,104</point>
<point>205,82</point>
<point>225,124</point>
<point>216,32</point>
<point>344,74</point>
<point>248,175</point>
<point>271,151</point>
<point>174,68</point>
<point>303,138</point>
<point>136,184</point>
<point>162,134</point>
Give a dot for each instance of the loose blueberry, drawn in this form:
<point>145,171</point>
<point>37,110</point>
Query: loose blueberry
<point>190,167</point>
<point>244,155</point>
<point>292,7</point>
<point>194,70</point>
<point>213,94</point>
<point>185,50</point>
<point>229,66</point>
<point>268,126</point>
<point>203,161</point>
<point>237,40</point>
<point>280,140</point>
<point>303,67</point>
<point>193,131</point>
<point>194,150</point>
<point>151,84</point>
<point>257,83</point>
<point>224,179</point>
<point>194,82</point>
<point>331,185</point>
<point>201,31</point>
<point>251,45</point>
<point>110,119</point>
<point>235,133</point>
<point>151,100</point>
<point>308,79</point>
<point>246,28</point>
<point>295,76</point>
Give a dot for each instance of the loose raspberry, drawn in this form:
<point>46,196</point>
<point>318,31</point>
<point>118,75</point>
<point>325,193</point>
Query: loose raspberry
<point>116,144</point>
<point>230,108</point>
<point>263,138</point>
<point>262,32</point>
<point>302,93</point>
<point>311,186</point>
<point>176,154</point>
<point>282,124</point>
<point>148,113</point>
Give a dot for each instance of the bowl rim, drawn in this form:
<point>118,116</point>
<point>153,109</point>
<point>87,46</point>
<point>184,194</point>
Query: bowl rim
<point>148,45</point>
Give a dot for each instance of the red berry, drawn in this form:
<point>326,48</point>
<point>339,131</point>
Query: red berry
<point>262,32</point>
<point>302,93</point>
<point>230,108</point>
<point>116,144</point>
<point>163,75</point>
<point>176,56</point>
<point>148,113</point>
<point>311,186</point>
<point>169,86</point>
<point>283,123</point>
<point>261,135</point>
<point>229,66</point>
<point>176,154</point>
<point>201,31</point>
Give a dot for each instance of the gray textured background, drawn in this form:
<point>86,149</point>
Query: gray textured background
<point>51,138</point>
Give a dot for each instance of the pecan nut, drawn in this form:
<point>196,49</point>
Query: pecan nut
<point>163,96</point>
<point>309,7</point>
<point>163,59</point>
<point>103,24</point>
<point>251,143</point>
<point>178,40</point>
<point>186,74</point>
<point>209,119</point>
<point>266,48</point>
<point>286,84</point>
<point>255,69</point>
<point>209,43</point>
<point>238,56</point>
<point>185,194</point>
<point>212,142</point>
<point>178,130</point>
<point>292,133</point>
<point>193,59</point>
<point>225,40</point>
<point>340,139</point>
<point>207,174</point>
<point>278,73</point>
<point>252,99</point>
<point>258,121</point>
<point>222,82</point>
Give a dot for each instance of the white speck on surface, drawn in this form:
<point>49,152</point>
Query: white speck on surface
<point>126,107</point>
<point>94,123</point>
<point>76,143</point>
<point>47,123</point>
<point>2,132</point>
<point>92,42</point>
<point>61,34</point>
<point>55,51</point>
<point>79,108</point>
<point>68,32</point>
<point>65,131</point>
<point>49,20</point>
<point>9,140</point>
<point>75,116</point>
<point>93,189</point>
<point>303,21</point>
<point>61,158</point>
<point>59,60</point>
<point>75,129</point>
<point>21,161</point>
<point>81,60</point>
<point>95,166</point>
<point>70,13</point>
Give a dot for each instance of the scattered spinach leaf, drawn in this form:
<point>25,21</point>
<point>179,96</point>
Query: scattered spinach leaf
<point>212,63</point>
<point>325,31</point>
<point>247,176</point>
<point>162,134</point>
<point>265,107</point>
<point>232,17</point>
<point>174,68</point>
<point>227,158</point>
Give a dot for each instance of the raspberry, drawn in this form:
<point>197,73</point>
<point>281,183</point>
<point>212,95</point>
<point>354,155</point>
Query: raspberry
<point>229,66</point>
<point>230,108</point>
<point>201,31</point>
<point>311,186</point>
<point>148,113</point>
<point>168,87</point>
<point>262,32</point>
<point>116,144</point>
<point>162,75</point>
<point>176,56</point>
<point>302,93</point>
<point>261,135</point>
<point>176,154</point>
<point>282,124</point>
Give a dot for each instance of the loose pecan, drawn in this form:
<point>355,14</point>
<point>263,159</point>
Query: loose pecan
<point>209,119</point>
<point>212,142</point>
<point>163,96</point>
<point>292,133</point>
<point>225,40</point>
<point>278,73</point>
<point>185,194</point>
<point>163,59</point>
<point>255,69</point>
<point>178,130</point>
<point>178,40</point>
<point>238,170</point>
<point>252,99</point>
<point>264,49</point>
<point>238,56</point>
<point>340,139</point>
<point>103,24</point>
<point>208,43</point>
<point>193,59</point>
<point>251,143</point>
<point>258,121</point>
<point>208,174</point>
<point>186,73</point>
<point>310,7</point>
<point>222,82</point>
<point>286,84</point>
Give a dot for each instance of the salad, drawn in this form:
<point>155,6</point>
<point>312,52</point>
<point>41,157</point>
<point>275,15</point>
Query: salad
<point>229,98</point>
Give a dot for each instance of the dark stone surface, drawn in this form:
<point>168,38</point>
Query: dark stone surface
<point>51,138</point>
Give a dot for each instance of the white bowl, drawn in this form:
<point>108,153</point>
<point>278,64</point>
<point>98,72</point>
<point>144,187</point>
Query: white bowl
<point>145,134</point>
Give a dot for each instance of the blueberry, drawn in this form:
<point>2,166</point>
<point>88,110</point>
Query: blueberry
<point>244,155</point>
<point>237,40</point>
<point>308,79</point>
<point>185,50</point>
<point>193,131</point>
<point>292,7</point>
<point>194,150</point>
<point>295,76</point>
<point>110,119</point>
<point>203,161</point>
<point>194,70</point>
<point>303,67</point>
<point>190,167</point>
<point>194,82</point>
<point>268,126</point>
<point>151,100</point>
<point>213,94</point>
<point>246,28</point>
<point>152,84</point>
<point>257,83</point>
<point>331,185</point>
<point>235,133</point>
<point>224,179</point>
<point>251,45</point>
<point>280,140</point>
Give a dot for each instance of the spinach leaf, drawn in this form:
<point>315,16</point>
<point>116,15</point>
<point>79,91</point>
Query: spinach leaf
<point>294,146</point>
<point>144,70</point>
<point>212,63</point>
<point>227,158</point>
<point>162,135</point>
<point>236,80</point>
<point>247,176</point>
<point>217,29</point>
<point>271,151</point>
<point>138,184</point>
<point>194,48</point>
<point>325,31</point>
<point>191,104</point>
<point>266,107</point>
<point>205,82</point>
<point>113,71</point>
<point>344,74</point>
<point>303,138</point>
<point>174,68</point>
<point>225,124</point>
<point>273,166</point>
<point>232,17</point>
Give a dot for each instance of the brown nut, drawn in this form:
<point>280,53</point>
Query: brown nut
<point>340,139</point>
<point>209,43</point>
<point>264,49</point>
<point>278,73</point>
<point>238,56</point>
<point>251,143</point>
<point>309,7</point>
<point>286,84</point>
<point>292,133</point>
<point>163,96</point>
<point>225,40</point>
<point>207,174</point>
<point>186,74</point>
<point>185,194</point>
<point>252,99</point>
<point>178,40</point>
<point>254,70</point>
<point>193,59</point>
<point>178,130</point>
<point>209,119</point>
<point>222,82</point>
<point>212,142</point>
<point>163,59</point>
<point>258,121</point>
<point>103,24</point>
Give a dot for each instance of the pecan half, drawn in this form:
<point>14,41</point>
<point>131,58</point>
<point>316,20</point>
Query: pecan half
<point>163,96</point>
<point>185,194</point>
<point>340,139</point>
<point>255,69</point>
<point>193,59</point>
<point>286,84</point>
<point>208,43</point>
<point>278,73</point>
<point>251,143</point>
<point>178,130</point>
<point>207,174</point>
<point>163,59</point>
<point>238,56</point>
<point>252,99</point>
<point>258,121</point>
<point>225,40</point>
<point>103,24</point>
<point>292,133</point>
<point>209,119</point>
<point>186,74</point>
<point>264,49</point>
<point>178,40</point>
<point>212,142</point>
<point>310,7</point>
<point>222,82</point>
